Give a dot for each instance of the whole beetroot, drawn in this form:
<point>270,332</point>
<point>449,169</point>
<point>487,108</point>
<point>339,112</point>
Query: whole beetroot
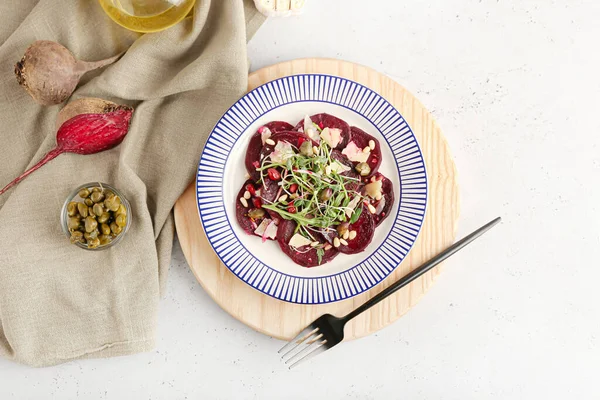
<point>50,73</point>
<point>86,134</point>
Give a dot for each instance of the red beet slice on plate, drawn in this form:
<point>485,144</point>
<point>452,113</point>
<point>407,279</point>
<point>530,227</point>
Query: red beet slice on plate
<point>384,205</point>
<point>256,145</point>
<point>306,255</point>
<point>292,137</point>
<point>241,212</point>
<point>329,121</point>
<point>365,229</point>
<point>361,139</point>
<point>342,159</point>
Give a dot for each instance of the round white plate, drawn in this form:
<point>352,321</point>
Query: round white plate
<point>221,174</point>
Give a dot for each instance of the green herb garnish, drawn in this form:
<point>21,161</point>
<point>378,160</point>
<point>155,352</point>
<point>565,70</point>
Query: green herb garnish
<point>311,176</point>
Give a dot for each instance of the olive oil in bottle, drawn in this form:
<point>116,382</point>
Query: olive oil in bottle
<point>147,15</point>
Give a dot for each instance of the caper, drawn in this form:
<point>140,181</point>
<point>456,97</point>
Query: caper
<point>83,209</point>
<point>325,194</point>
<point>83,193</point>
<point>121,220</point>
<point>105,229</point>
<point>104,239</point>
<point>96,189</point>
<point>72,209</point>
<point>91,235</point>
<point>103,218</point>
<point>116,229</point>
<point>90,224</point>
<point>122,209</point>
<point>257,213</point>
<point>93,243</point>
<point>98,209</point>
<point>363,169</point>
<point>73,223</point>
<point>88,202</point>
<point>76,236</point>
<point>306,149</point>
<point>342,228</point>
<point>97,197</point>
<point>112,203</point>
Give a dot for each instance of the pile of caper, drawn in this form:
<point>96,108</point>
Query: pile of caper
<point>97,219</point>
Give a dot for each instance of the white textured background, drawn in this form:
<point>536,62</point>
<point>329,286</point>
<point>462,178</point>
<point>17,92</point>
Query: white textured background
<point>514,85</point>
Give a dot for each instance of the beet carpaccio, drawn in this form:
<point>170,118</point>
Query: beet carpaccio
<point>314,188</point>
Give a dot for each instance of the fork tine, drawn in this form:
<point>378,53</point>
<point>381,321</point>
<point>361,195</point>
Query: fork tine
<point>302,344</point>
<point>320,348</point>
<point>292,354</point>
<point>309,330</point>
<point>309,346</point>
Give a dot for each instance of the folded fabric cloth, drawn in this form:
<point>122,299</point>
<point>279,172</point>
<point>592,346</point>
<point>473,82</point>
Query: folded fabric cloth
<point>59,302</point>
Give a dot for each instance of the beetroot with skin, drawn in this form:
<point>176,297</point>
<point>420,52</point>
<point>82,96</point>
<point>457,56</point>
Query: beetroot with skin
<point>361,139</point>
<point>325,120</point>
<point>306,256</point>
<point>85,134</point>
<point>365,229</point>
<point>49,72</point>
<point>255,145</point>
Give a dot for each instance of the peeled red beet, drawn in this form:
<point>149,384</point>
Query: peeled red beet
<point>255,145</point>
<point>361,139</point>
<point>306,256</point>
<point>342,159</point>
<point>85,134</point>
<point>325,120</point>
<point>365,229</point>
<point>387,189</point>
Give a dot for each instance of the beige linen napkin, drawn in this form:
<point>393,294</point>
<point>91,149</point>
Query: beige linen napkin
<point>58,302</point>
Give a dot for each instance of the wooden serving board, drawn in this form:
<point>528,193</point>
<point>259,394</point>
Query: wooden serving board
<point>284,320</point>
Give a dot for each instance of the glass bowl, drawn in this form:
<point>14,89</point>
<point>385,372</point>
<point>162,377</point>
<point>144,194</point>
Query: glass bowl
<point>147,15</point>
<point>74,196</point>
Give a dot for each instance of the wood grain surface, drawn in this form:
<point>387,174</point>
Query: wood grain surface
<point>284,320</point>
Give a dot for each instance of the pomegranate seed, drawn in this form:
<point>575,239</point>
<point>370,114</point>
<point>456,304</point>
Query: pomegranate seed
<point>274,175</point>
<point>321,125</point>
<point>261,129</point>
<point>383,214</point>
<point>257,202</point>
<point>256,164</point>
<point>291,209</point>
<point>251,189</point>
<point>293,187</point>
<point>301,140</point>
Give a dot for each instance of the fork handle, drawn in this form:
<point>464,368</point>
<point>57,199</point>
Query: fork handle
<point>421,270</point>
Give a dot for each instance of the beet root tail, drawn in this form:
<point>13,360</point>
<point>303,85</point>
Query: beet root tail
<point>48,157</point>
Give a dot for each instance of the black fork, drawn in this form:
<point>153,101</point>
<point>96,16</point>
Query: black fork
<point>327,331</point>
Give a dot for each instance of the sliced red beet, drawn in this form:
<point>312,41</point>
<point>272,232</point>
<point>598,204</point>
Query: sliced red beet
<point>383,211</point>
<point>361,139</point>
<point>329,121</point>
<point>351,185</point>
<point>305,255</point>
<point>365,229</point>
<point>248,224</point>
<point>291,137</point>
<point>269,193</point>
<point>279,126</point>
<point>255,145</point>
